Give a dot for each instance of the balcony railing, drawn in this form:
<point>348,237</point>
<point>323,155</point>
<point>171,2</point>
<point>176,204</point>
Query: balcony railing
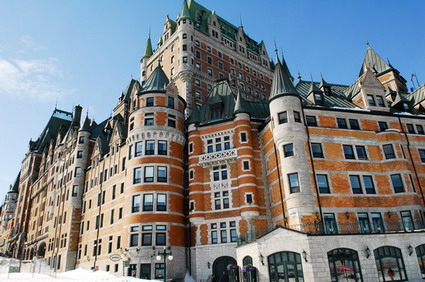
<point>334,228</point>
<point>218,156</point>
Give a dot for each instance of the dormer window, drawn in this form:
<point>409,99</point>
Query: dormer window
<point>327,91</point>
<point>406,107</point>
<point>216,112</point>
<point>380,101</point>
<point>371,100</point>
<point>318,99</point>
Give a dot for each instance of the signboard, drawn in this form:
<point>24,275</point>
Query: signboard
<point>13,269</point>
<point>127,265</point>
<point>115,257</point>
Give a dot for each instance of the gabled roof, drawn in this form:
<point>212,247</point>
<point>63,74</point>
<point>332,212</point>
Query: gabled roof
<point>157,81</point>
<point>374,62</point>
<point>148,49</point>
<point>352,90</point>
<point>126,95</point>
<point>282,83</point>
<point>417,96</point>
<point>314,88</point>
<point>337,100</point>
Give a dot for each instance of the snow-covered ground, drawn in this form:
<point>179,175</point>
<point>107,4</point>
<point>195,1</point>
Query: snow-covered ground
<point>43,274</point>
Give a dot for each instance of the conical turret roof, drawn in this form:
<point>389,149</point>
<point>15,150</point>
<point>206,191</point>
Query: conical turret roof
<point>240,105</point>
<point>148,49</point>
<point>157,81</point>
<point>86,125</point>
<point>282,83</point>
<point>185,13</point>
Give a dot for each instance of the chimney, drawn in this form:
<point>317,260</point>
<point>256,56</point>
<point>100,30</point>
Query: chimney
<point>77,115</point>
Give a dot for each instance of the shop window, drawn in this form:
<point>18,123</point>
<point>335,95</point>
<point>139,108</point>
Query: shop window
<point>285,266</point>
<point>390,264</point>
<point>344,265</point>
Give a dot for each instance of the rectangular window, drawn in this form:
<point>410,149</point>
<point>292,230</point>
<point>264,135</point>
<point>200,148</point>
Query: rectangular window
<point>406,219</point>
<point>134,240</point>
<point>145,271</point>
<point>317,150</point>
<point>361,152</point>
<point>355,184</point>
<point>342,123</point>
<point>377,222</point>
<point>382,125</point>
<point>354,124</point>
<point>148,202</point>
<point>380,101</point>
<point>77,172</point>
<point>422,155</point>
<point>162,147</point>
<point>283,117</point>
<point>364,223</point>
<point>149,101</point>
<point>330,223</point>
<point>397,183</point>
<point>220,173</point>
<point>135,206</point>
<point>171,121</point>
<point>368,184</point>
<point>81,140</point>
<point>318,99</point>
<point>137,178</point>
<point>322,182</point>
<point>410,128</point>
<point>150,147</point>
<point>294,185</point>
<point>161,203</point>
<point>297,116</point>
<point>79,154</point>
<point>160,239</point>
<point>161,174</point>
<point>371,100</point>
<point>159,267</point>
<point>149,121</point>
<point>348,152</point>
<point>138,151</point>
<point>245,165</point>
<point>389,151</point>
<point>244,138</point>
<point>311,121</point>
<point>149,170</point>
<point>146,239</point>
<point>288,150</point>
<point>420,129</point>
<point>75,189</point>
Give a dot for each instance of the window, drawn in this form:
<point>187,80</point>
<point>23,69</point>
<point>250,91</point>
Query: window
<point>223,232</point>
<point>75,189</point>
<point>288,150</point>
<point>161,174</point>
<point>294,185</point>
<point>249,198</point>
<point>406,219</point>
<point>283,117</point>
<point>317,150</point>
<point>371,100</point>
<point>245,165</point>
<point>368,184</point>
<point>135,206</point>
<point>159,270</point>
<point>162,147</point>
<point>382,125</point>
<point>210,72</point>
<point>348,152</point>
<point>149,121</point>
<point>150,147</point>
<point>322,183</point>
<point>345,259</point>
<point>79,154</point>
<point>81,140</point>
<point>147,236</point>
<point>389,151</point>
<point>377,222</point>
<point>420,253</point>
<point>311,121</point>
<point>244,138</point>
<point>148,202</point>
<point>420,129</point>
<point>148,174</point>
<point>356,184</point>
<point>220,173</point>
<point>221,200</point>
<point>285,266</point>
<point>150,101</point>
<point>341,122</point>
<point>318,99</point>
<point>138,147</point>
<point>184,47</point>
<point>137,175</point>
<point>197,95</point>
<point>397,183</point>
<point>354,124</point>
<point>361,153</point>
<point>145,271</point>
<point>410,128</point>
<point>134,237</point>
<point>77,172</point>
<point>364,224</point>
<point>330,223</point>
<point>161,202</point>
<point>170,103</point>
<point>380,101</point>
<point>405,107</point>
<point>390,264</point>
<point>172,121</point>
<point>297,116</point>
<point>218,144</point>
<point>422,155</point>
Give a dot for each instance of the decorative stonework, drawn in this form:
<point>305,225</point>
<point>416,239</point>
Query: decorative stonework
<point>138,135</point>
<point>218,157</point>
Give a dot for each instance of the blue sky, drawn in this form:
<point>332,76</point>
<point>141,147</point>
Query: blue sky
<point>85,52</point>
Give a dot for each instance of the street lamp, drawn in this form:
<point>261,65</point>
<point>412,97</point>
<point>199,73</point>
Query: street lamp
<point>164,255</point>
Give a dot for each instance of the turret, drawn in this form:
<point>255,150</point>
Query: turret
<point>143,62</point>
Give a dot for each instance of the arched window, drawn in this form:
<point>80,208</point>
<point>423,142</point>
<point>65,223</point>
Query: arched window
<point>247,261</point>
<point>420,253</point>
<point>285,267</point>
<point>390,264</point>
<point>344,265</point>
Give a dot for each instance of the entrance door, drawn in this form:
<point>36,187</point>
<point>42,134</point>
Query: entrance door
<point>220,268</point>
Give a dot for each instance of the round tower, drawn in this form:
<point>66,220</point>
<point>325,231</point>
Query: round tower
<point>291,141</point>
<point>154,201</point>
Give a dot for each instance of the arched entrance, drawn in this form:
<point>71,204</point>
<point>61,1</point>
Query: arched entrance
<point>41,250</point>
<point>220,268</point>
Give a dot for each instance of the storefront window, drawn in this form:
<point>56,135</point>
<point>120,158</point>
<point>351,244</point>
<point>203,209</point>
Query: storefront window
<point>344,265</point>
<point>420,253</point>
<point>390,264</point>
<point>285,267</point>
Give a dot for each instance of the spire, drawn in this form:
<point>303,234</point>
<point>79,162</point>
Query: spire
<point>282,83</point>
<point>313,88</point>
<point>240,105</point>
<point>195,117</point>
<point>148,49</point>
<point>157,81</point>
<point>185,13</point>
<point>373,61</point>
<point>86,125</point>
<point>323,83</point>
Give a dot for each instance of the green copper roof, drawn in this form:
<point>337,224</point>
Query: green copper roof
<point>314,88</point>
<point>286,69</point>
<point>157,81</point>
<point>417,96</point>
<point>374,62</point>
<point>148,49</point>
<point>86,125</point>
<point>323,83</point>
<point>282,84</point>
<point>240,106</point>
<point>185,13</point>
<point>195,116</point>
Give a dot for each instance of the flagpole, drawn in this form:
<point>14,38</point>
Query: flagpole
<point>417,81</point>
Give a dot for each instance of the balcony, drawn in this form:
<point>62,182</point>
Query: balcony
<point>218,156</point>
<point>334,228</point>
